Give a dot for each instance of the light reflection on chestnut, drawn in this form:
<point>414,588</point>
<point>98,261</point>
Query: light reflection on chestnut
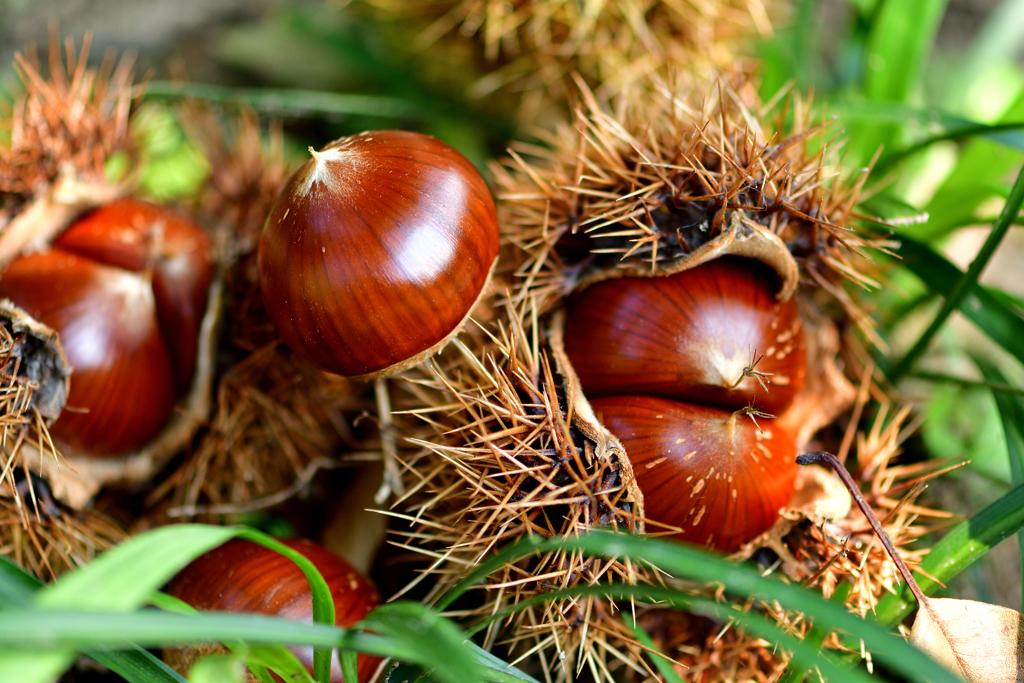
<point>690,337</point>
<point>125,288</point>
<point>718,476</point>
<point>376,251</point>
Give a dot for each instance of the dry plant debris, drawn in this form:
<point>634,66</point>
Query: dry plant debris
<point>534,47</point>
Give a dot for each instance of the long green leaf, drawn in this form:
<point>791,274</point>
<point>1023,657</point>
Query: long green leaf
<point>427,632</point>
<point>136,666</point>
<point>981,306</point>
<point>119,580</point>
<point>279,658</point>
<point>966,283</point>
<point>34,630</point>
<point>285,102</point>
<point>17,588</point>
<point>964,544</point>
<point>979,175</point>
<point>901,37</point>
<point>1011,411</point>
<point>694,564</point>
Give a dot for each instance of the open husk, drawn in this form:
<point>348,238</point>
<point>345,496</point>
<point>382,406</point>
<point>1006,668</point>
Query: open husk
<point>662,179</point>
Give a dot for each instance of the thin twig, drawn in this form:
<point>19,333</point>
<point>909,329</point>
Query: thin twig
<point>821,457</point>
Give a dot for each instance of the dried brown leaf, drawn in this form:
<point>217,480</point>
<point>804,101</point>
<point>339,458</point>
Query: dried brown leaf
<point>981,643</point>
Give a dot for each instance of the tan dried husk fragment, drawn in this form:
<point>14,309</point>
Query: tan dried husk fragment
<point>36,531</point>
<point>55,142</point>
<point>277,418</point>
<point>533,47</point>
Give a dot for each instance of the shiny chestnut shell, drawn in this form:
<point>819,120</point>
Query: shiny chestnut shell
<point>125,288</point>
<point>241,576</point>
<point>173,252</point>
<point>689,337</point>
<point>716,475</point>
<point>376,251</point>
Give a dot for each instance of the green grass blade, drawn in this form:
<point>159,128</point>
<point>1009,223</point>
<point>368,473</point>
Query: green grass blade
<point>804,654</point>
<point>16,585</point>
<point>17,588</point>
<point>901,37</point>
<point>661,663</point>
<point>978,176</point>
<point>421,637</point>
<point>323,603</point>
<point>959,548</point>
<point>286,102</point>
<point>124,577</point>
<point>966,283</point>
<point>1011,412</point>
<point>816,636</point>
<point>277,657</point>
<point>499,669</point>
<point>119,580</point>
<point>981,306</point>
<point>429,634</point>
<point>49,629</point>
<point>995,387</point>
<point>137,666</point>
<point>686,562</point>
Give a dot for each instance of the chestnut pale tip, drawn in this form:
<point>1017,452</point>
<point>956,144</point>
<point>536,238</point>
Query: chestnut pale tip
<point>376,252</point>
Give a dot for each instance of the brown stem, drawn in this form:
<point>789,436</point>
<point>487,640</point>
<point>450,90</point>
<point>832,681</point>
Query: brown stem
<point>818,457</point>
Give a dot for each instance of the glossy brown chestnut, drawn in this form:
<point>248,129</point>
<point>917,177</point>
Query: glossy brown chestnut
<point>175,252</point>
<point>126,290</point>
<point>713,474</point>
<point>689,337</point>
<point>376,251</point>
<point>241,576</point>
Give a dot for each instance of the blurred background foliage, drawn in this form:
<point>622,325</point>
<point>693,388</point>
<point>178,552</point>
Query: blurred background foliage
<point>938,86</point>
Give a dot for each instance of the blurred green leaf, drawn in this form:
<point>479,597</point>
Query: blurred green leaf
<point>217,669</point>
<point>1011,410</point>
<point>979,175</point>
<point>964,287</point>
<point>258,658</point>
<point>1000,322</point>
<point>428,633</point>
<point>901,37</point>
<point>287,102</point>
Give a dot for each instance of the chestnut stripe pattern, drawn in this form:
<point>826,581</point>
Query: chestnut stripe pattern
<point>713,466</point>
<point>376,250</point>
<point>241,576</point>
<point>689,337</point>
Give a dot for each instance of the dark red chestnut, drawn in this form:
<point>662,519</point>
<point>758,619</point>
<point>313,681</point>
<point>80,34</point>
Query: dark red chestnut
<point>174,252</point>
<point>693,336</point>
<point>241,576</point>
<point>376,251</point>
<point>125,288</point>
<point>716,475</point>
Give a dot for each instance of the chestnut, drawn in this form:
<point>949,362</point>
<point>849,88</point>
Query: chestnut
<point>376,250</point>
<point>718,476</point>
<point>125,288</point>
<point>242,576</point>
<point>713,335</point>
